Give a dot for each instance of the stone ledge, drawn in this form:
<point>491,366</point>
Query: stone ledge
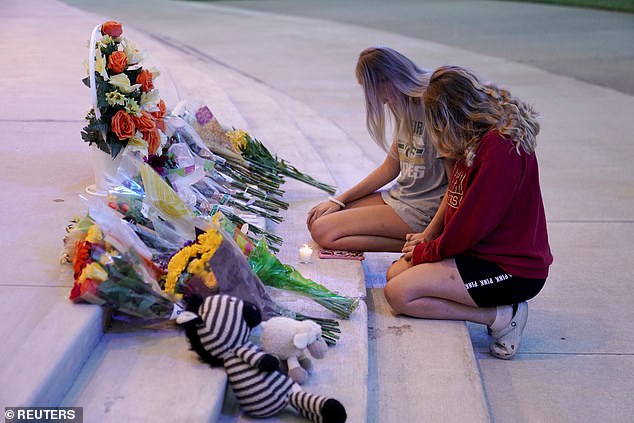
<point>146,373</point>
<point>423,370</point>
<point>47,347</point>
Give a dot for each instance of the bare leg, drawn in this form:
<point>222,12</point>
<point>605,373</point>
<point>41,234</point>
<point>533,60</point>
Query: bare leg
<point>367,224</point>
<point>433,291</point>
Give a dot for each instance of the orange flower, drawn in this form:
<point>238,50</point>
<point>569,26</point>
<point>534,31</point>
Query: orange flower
<point>122,125</point>
<point>160,124</point>
<point>81,257</point>
<point>145,79</point>
<point>161,112</point>
<point>153,140</point>
<point>117,61</point>
<point>145,122</point>
<point>112,28</point>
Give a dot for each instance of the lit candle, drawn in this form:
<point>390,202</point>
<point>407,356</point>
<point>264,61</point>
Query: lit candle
<point>305,254</point>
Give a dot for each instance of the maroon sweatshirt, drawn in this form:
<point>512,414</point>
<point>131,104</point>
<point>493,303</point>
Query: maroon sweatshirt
<point>494,212</point>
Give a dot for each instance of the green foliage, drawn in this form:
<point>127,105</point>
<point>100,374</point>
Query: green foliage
<point>93,132</point>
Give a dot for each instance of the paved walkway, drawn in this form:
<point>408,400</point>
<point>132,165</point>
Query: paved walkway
<point>578,353</point>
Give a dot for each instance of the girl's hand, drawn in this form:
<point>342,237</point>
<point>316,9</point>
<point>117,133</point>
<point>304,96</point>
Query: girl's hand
<point>408,251</point>
<point>412,240</point>
<point>319,210</point>
<point>419,238</point>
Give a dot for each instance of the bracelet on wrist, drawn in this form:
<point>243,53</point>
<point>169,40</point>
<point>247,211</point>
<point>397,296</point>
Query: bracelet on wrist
<point>334,200</point>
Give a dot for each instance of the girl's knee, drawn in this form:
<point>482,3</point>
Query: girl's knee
<point>392,271</point>
<point>394,297</point>
<point>398,267</point>
<point>321,233</point>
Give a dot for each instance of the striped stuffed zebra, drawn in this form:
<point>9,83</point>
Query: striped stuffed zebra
<point>218,329</point>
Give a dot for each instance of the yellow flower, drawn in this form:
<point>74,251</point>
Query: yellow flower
<point>176,266</point>
<point>122,82</point>
<point>115,98</point>
<point>137,142</point>
<point>196,267</point>
<point>155,73</point>
<point>106,39</point>
<point>238,138</point>
<point>95,272</point>
<point>94,234</point>
<point>210,240</point>
<point>187,259</point>
<point>132,107</point>
<point>210,280</point>
<point>100,65</point>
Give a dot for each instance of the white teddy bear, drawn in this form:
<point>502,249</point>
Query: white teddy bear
<point>289,340</point>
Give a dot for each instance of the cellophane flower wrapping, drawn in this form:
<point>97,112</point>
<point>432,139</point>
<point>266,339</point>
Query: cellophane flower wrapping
<point>237,145</point>
<point>206,184</point>
<point>215,264</point>
<point>113,267</point>
<point>274,273</point>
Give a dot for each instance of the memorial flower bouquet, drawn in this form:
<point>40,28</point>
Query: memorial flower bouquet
<point>256,153</point>
<point>240,149</point>
<point>272,272</point>
<point>109,270</point>
<point>215,263</point>
<point>127,108</point>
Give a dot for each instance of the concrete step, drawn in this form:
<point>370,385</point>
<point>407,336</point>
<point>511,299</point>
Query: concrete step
<point>419,370</point>
<point>142,372</point>
<point>424,370</point>
<point>47,340</point>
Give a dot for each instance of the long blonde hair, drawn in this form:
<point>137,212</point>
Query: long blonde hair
<point>460,109</point>
<point>405,82</point>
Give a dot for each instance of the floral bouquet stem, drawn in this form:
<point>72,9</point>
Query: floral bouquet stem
<point>273,273</point>
<point>257,154</point>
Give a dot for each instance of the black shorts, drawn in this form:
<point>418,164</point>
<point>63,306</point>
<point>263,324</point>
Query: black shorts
<point>490,286</point>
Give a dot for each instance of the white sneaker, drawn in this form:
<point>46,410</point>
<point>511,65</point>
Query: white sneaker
<point>507,340</point>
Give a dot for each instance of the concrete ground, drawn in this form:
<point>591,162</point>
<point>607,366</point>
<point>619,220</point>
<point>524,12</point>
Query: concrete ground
<point>574,65</point>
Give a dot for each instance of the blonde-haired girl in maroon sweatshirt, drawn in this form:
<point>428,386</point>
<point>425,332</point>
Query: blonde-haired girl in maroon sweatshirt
<point>493,253</point>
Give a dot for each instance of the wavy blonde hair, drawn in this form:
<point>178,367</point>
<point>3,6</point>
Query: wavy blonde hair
<point>403,80</point>
<point>460,110</point>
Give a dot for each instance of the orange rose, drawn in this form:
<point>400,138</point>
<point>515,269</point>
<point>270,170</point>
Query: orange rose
<point>112,28</point>
<point>117,61</point>
<point>161,112</point>
<point>123,125</point>
<point>145,79</point>
<point>144,123</point>
<point>153,140</point>
<point>160,124</point>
